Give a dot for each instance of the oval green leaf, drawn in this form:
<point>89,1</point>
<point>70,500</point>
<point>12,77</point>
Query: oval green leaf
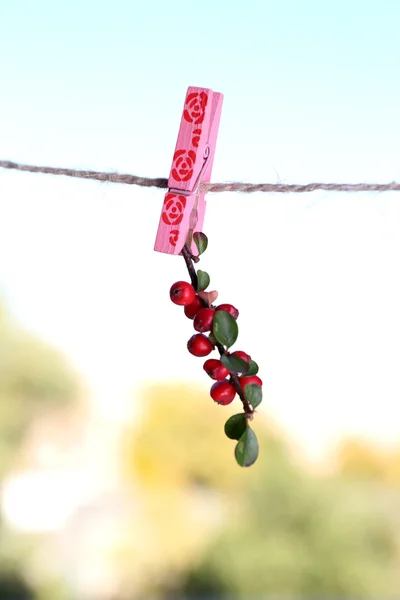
<point>234,363</point>
<point>225,328</point>
<point>246,451</point>
<point>253,368</point>
<point>201,241</point>
<point>203,280</point>
<point>235,426</point>
<point>253,394</point>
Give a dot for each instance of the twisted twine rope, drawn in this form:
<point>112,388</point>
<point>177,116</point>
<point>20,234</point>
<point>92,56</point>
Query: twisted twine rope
<point>162,183</point>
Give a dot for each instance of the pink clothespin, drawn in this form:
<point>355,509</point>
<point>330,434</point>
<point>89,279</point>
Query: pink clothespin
<point>184,204</point>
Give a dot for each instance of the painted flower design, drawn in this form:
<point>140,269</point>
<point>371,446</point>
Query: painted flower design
<point>195,107</point>
<point>196,133</point>
<point>173,209</point>
<point>182,169</point>
<point>173,238</point>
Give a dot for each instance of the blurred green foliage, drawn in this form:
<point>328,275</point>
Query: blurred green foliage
<point>207,527</point>
<point>285,531</point>
<point>363,460</point>
<point>14,587</point>
<point>34,378</point>
<point>299,536</point>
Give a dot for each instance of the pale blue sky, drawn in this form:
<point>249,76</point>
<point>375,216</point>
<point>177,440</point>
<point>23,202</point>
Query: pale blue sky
<point>82,82</point>
<point>311,93</point>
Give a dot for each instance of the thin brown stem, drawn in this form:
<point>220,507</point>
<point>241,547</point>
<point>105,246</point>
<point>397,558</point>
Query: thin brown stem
<point>187,255</point>
<point>247,407</point>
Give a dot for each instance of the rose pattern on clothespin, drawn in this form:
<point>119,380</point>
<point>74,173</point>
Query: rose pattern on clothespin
<point>184,204</point>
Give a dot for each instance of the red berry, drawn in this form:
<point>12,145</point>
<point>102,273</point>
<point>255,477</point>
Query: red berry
<point>199,345</point>
<point>192,309</point>
<point>242,355</point>
<point>222,392</point>
<point>204,319</point>
<point>230,309</point>
<point>246,379</point>
<point>182,293</point>
<point>215,369</point>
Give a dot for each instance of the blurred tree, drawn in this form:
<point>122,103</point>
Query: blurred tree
<point>34,378</point>
<point>14,587</point>
<point>358,459</point>
<point>184,477</point>
<point>278,530</point>
<point>180,440</point>
<point>392,467</point>
<point>299,536</point>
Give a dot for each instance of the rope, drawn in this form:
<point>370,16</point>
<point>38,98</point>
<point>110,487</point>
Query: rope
<point>162,183</point>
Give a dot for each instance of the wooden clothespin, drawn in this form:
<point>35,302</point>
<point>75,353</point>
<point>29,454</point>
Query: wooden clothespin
<point>184,203</point>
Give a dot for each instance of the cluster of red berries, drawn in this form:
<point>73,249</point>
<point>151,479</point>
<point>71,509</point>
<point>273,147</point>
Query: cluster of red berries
<point>223,390</point>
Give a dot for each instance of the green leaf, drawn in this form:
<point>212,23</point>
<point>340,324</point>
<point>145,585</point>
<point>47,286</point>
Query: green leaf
<point>225,328</point>
<point>201,241</point>
<point>234,363</point>
<point>203,280</point>
<point>235,426</point>
<point>246,451</point>
<point>253,368</point>
<point>253,393</point>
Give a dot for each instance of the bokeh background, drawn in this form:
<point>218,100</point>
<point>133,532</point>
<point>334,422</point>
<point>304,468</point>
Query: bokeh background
<point>117,482</point>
